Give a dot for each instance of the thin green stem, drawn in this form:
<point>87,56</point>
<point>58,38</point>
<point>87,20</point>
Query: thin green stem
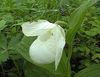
<point>68,61</point>
<point>69,52</point>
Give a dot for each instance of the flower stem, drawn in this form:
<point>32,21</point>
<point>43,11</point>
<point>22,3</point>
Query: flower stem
<point>68,61</point>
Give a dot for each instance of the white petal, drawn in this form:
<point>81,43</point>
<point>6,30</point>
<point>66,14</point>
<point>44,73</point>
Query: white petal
<point>43,51</point>
<point>36,28</point>
<point>59,35</point>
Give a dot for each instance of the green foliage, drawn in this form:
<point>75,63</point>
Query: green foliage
<point>84,37</point>
<point>37,71</point>
<point>95,30</point>
<point>76,20</point>
<point>23,47</point>
<point>91,71</point>
<point>3,48</point>
<point>2,24</point>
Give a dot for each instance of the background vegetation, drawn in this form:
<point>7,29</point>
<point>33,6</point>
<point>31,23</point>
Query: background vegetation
<point>14,60</point>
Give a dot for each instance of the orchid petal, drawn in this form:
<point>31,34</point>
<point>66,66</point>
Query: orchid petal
<point>60,42</point>
<point>43,51</point>
<point>36,28</point>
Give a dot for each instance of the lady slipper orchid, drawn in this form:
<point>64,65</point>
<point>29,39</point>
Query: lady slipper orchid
<point>48,46</point>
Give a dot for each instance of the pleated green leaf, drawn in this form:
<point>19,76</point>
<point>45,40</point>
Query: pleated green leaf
<point>91,71</point>
<point>76,19</point>
<point>23,47</point>
<point>35,71</point>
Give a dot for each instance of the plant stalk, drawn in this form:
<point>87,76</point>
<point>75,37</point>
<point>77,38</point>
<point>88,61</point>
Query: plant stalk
<point>68,61</point>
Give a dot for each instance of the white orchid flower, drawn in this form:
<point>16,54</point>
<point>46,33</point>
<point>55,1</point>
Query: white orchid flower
<point>48,46</point>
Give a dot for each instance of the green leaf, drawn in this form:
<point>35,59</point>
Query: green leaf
<point>23,47</point>
<point>14,41</point>
<point>76,20</point>
<point>3,56</point>
<point>91,71</point>
<point>3,41</point>
<point>8,48</point>
<point>35,71</point>
<point>3,48</point>
<point>62,65</point>
<point>2,24</point>
<point>97,55</point>
<point>93,31</point>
